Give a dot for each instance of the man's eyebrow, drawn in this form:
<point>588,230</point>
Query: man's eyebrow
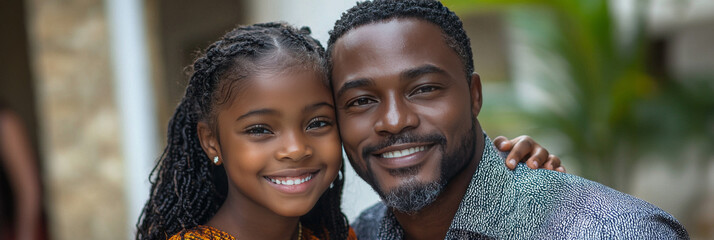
<point>421,70</point>
<point>362,82</point>
<point>262,111</point>
<point>316,106</point>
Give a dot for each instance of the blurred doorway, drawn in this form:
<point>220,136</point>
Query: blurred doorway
<point>183,28</point>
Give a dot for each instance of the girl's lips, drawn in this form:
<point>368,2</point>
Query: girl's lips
<point>292,172</point>
<point>290,180</point>
<point>292,184</point>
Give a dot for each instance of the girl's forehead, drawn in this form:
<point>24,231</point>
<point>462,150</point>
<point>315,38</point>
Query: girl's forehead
<point>283,87</point>
<point>245,77</point>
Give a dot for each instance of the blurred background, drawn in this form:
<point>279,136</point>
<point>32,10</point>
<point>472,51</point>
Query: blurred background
<point>621,90</point>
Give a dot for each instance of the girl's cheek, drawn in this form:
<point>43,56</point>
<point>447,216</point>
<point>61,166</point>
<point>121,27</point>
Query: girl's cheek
<point>332,148</point>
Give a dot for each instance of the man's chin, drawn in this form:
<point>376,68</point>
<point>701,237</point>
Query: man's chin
<point>412,196</point>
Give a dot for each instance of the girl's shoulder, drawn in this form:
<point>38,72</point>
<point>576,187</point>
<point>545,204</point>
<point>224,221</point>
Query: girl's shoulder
<point>352,235</point>
<point>201,232</point>
<point>309,235</point>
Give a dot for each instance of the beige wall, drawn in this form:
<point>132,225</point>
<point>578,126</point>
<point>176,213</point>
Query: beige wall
<point>78,119</point>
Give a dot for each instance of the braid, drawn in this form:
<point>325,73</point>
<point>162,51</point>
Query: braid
<point>429,10</point>
<point>186,188</point>
<point>327,213</point>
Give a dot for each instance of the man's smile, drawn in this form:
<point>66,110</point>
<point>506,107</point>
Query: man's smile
<point>402,155</point>
<point>404,152</point>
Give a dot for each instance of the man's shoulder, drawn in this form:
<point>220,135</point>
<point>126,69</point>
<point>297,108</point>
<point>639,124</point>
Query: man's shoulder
<point>367,225</point>
<point>562,190</point>
<point>551,190</point>
<point>576,206</point>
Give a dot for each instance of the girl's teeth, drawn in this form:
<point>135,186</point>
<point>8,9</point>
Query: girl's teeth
<point>291,182</point>
<point>398,153</point>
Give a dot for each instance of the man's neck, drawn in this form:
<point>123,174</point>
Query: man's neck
<point>433,221</point>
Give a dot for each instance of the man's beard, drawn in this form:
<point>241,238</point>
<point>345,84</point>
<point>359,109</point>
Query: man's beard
<point>413,195</point>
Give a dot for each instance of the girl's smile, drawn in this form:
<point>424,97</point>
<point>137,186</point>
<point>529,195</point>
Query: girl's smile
<point>293,181</point>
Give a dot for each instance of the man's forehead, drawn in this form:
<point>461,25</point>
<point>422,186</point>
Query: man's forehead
<point>389,47</point>
<point>387,31</point>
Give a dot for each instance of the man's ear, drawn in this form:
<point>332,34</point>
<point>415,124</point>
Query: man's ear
<point>476,94</point>
<point>209,142</point>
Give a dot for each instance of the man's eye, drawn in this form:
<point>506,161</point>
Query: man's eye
<point>258,130</point>
<point>360,102</point>
<point>318,123</point>
<point>425,89</point>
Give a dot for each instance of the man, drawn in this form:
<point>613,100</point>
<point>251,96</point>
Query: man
<point>407,101</point>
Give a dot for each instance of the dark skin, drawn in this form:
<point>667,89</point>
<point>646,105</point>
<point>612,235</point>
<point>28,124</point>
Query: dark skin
<point>399,77</point>
<point>280,125</point>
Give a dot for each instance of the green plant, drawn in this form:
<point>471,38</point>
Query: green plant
<point>601,98</point>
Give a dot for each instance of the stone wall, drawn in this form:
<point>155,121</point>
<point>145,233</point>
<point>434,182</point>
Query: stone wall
<point>78,119</point>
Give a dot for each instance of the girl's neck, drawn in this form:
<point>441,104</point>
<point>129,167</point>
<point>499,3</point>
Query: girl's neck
<point>243,219</point>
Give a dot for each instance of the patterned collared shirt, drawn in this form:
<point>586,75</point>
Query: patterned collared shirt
<point>536,204</point>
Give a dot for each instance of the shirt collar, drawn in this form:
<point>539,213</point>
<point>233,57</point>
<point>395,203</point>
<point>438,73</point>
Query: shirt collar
<point>481,208</point>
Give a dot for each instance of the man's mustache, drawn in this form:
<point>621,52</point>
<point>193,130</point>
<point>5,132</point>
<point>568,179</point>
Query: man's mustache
<point>407,137</point>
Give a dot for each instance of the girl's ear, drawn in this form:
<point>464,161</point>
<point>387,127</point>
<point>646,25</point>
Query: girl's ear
<point>209,142</point>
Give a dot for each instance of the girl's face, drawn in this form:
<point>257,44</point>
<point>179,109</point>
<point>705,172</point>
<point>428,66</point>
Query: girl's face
<point>279,142</point>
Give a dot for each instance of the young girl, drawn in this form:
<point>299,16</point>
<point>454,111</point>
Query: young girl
<point>253,147</point>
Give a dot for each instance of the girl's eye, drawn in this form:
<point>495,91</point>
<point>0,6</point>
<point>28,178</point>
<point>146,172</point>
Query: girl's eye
<point>258,130</point>
<point>425,89</point>
<point>361,101</point>
<point>318,123</point>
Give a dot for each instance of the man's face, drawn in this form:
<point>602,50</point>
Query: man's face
<point>405,109</point>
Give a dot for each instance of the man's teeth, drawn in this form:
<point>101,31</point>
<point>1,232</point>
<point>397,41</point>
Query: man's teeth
<point>290,182</point>
<point>401,153</point>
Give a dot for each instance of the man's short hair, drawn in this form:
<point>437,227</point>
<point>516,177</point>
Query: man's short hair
<point>382,10</point>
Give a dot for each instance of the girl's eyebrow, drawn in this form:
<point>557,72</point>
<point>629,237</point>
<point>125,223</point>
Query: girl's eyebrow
<point>269,111</point>
<point>262,111</point>
<point>316,106</point>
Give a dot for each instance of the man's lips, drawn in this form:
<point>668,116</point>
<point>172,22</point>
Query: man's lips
<point>402,155</point>
<point>403,152</point>
<point>398,150</point>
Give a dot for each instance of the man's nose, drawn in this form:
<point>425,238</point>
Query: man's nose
<point>396,116</point>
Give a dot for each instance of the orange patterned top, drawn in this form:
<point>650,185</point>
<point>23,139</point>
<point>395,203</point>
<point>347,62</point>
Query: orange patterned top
<point>203,232</point>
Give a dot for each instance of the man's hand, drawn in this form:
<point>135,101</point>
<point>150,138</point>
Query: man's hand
<point>525,149</point>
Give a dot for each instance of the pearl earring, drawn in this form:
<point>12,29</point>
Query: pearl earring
<point>215,160</point>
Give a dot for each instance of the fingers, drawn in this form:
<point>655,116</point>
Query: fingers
<point>525,149</point>
<point>502,143</point>
<point>522,148</point>
<point>553,163</point>
<point>539,156</point>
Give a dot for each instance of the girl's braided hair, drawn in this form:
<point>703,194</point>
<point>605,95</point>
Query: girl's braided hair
<point>186,188</point>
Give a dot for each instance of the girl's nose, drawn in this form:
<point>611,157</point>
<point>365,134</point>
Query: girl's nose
<point>295,148</point>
